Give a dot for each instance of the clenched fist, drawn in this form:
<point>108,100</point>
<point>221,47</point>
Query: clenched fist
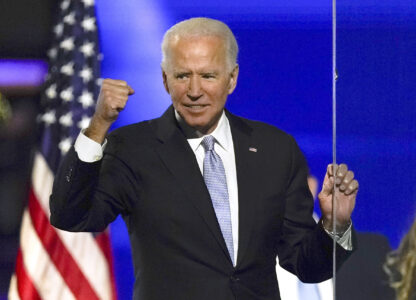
<point>346,188</point>
<point>112,99</point>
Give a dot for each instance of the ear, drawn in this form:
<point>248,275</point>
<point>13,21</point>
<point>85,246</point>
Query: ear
<point>165,81</point>
<point>233,79</point>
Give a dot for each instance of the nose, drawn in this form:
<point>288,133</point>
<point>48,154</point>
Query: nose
<point>194,88</point>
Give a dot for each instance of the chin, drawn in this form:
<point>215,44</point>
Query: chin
<point>202,122</point>
<point>197,124</point>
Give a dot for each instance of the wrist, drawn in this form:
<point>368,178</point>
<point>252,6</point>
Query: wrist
<point>97,129</point>
<point>340,227</point>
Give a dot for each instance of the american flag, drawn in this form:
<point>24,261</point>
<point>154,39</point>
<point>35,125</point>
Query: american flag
<point>54,264</point>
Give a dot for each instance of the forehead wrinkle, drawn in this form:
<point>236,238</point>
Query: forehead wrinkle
<point>200,67</point>
<point>183,56</point>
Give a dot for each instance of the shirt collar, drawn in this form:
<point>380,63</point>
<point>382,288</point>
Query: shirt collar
<point>222,133</point>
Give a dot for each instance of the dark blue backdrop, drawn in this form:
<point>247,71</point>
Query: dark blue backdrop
<point>285,79</point>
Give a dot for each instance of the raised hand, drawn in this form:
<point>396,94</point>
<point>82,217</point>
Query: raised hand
<point>346,188</point>
<point>111,101</point>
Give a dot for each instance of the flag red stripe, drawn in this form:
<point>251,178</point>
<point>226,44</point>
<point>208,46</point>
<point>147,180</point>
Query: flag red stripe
<point>59,255</point>
<point>25,287</point>
<point>103,241</point>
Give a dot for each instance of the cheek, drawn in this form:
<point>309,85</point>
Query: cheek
<point>177,91</point>
<point>218,93</point>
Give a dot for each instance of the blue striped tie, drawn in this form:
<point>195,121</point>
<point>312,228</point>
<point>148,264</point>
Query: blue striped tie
<point>214,176</point>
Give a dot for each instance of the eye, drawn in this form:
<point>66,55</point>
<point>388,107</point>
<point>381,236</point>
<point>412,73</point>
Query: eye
<point>181,76</point>
<point>208,76</point>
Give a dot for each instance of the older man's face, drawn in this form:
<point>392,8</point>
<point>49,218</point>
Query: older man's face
<point>199,80</point>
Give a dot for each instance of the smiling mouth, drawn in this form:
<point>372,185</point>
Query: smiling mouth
<point>195,107</point>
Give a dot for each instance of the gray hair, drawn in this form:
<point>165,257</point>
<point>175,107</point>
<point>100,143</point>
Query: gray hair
<point>201,27</point>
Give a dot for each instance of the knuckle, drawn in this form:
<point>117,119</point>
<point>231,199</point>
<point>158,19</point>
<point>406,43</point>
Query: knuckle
<point>349,176</point>
<point>354,184</point>
<point>107,95</point>
<point>106,82</point>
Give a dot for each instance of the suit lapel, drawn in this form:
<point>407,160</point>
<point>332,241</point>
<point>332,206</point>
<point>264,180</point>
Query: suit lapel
<point>246,173</point>
<point>179,158</point>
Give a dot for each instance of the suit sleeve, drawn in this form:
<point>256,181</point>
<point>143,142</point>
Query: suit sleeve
<point>305,249</point>
<point>89,196</point>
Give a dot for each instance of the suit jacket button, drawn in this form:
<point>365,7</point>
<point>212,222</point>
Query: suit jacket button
<point>69,175</point>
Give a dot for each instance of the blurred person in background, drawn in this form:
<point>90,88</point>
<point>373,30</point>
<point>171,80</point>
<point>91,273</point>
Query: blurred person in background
<point>401,266</point>
<point>17,137</point>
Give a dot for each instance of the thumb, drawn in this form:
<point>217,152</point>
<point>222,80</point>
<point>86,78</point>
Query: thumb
<point>131,91</point>
<point>327,186</point>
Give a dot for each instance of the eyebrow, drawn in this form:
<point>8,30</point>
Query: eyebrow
<point>181,73</point>
<point>208,72</point>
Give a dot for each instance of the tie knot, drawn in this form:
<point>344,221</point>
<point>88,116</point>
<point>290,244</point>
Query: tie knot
<point>208,143</point>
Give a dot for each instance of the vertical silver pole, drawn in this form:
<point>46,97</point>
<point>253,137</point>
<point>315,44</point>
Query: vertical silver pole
<point>334,137</point>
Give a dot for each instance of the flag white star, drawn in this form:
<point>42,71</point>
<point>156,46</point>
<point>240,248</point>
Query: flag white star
<point>65,4</point>
<point>49,117</point>
<point>86,74</point>
<point>70,18</point>
<point>88,24</point>
<point>67,94</point>
<point>86,99</point>
<point>66,120</point>
<point>87,49</point>
<point>85,121</point>
<point>68,69</point>
<point>67,44</point>
<point>88,2</point>
<point>65,145</point>
<point>59,29</point>
<point>52,53</point>
<point>51,91</point>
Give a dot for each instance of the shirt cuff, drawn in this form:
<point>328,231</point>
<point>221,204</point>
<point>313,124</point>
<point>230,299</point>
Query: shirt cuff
<point>87,149</point>
<point>344,240</point>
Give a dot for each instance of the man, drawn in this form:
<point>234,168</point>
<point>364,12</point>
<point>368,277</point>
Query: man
<point>209,198</point>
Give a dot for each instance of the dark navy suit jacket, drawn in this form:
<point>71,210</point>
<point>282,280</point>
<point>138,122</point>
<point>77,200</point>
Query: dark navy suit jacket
<point>150,175</point>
